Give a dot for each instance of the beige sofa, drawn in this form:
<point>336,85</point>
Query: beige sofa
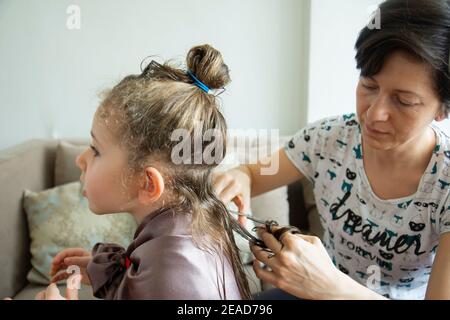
<point>31,165</point>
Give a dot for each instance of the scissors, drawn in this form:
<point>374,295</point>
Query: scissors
<point>268,225</point>
<point>246,234</point>
<point>249,217</point>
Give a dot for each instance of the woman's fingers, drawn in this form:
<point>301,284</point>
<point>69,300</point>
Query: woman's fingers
<point>227,188</point>
<point>219,182</point>
<point>229,193</point>
<point>311,239</point>
<point>271,242</point>
<point>241,208</point>
<point>264,274</point>
<point>267,256</point>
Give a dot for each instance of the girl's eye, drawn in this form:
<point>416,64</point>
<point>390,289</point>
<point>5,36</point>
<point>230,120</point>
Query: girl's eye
<point>96,153</point>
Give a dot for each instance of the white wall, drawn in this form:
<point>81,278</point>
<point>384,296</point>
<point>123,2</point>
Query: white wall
<point>332,71</point>
<point>333,77</point>
<point>50,75</point>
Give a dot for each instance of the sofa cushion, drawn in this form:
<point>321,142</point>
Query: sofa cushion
<point>65,168</point>
<point>315,225</point>
<point>28,165</point>
<point>31,290</point>
<point>59,218</point>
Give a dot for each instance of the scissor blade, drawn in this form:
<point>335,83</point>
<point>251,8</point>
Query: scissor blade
<point>249,217</point>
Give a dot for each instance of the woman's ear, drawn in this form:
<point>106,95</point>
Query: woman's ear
<point>442,115</point>
<point>152,186</point>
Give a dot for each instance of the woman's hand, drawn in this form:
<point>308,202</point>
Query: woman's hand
<point>234,185</point>
<point>300,266</point>
<point>66,258</point>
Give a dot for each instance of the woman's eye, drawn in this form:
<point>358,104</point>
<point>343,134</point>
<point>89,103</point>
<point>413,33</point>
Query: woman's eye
<point>96,153</point>
<point>406,103</point>
<point>368,87</point>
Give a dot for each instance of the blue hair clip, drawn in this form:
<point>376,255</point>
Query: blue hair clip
<point>197,82</point>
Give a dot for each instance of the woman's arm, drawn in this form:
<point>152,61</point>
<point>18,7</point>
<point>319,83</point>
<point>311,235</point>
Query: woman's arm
<point>285,174</point>
<point>439,283</point>
<point>241,183</point>
<point>303,268</point>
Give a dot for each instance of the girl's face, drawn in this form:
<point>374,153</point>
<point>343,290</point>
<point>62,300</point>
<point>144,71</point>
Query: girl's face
<point>104,166</point>
<point>396,105</point>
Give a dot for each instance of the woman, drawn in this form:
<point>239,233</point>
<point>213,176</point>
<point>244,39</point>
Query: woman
<point>381,178</point>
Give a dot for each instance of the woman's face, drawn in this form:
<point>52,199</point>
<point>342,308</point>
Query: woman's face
<point>396,105</point>
<point>104,166</point>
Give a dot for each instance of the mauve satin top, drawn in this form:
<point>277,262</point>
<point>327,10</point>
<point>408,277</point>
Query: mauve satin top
<point>162,262</point>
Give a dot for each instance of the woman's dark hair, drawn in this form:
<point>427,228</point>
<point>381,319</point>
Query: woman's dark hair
<point>418,27</point>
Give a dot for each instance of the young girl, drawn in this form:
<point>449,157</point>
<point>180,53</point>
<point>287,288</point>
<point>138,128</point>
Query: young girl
<point>184,246</point>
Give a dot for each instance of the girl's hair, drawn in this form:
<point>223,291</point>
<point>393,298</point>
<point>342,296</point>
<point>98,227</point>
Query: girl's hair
<point>147,108</point>
<point>419,27</point>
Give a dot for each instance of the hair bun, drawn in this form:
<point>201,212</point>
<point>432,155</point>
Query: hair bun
<point>207,65</point>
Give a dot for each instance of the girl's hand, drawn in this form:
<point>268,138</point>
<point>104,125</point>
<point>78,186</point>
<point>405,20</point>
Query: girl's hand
<point>52,293</point>
<point>234,185</point>
<point>73,256</point>
<point>302,267</point>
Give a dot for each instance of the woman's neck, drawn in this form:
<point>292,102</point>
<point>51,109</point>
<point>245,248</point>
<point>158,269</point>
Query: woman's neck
<point>414,154</point>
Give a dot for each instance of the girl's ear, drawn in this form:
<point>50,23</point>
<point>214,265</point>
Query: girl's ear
<point>152,187</point>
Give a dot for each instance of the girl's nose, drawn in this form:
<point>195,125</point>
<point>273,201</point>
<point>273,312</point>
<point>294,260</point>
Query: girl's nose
<point>81,162</point>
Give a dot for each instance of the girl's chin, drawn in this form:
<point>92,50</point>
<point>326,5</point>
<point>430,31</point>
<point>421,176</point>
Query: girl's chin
<point>96,211</point>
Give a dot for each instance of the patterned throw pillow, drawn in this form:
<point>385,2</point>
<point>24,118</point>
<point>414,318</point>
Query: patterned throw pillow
<point>59,218</point>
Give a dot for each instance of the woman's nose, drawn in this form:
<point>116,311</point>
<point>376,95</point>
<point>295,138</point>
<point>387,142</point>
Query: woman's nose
<point>379,110</point>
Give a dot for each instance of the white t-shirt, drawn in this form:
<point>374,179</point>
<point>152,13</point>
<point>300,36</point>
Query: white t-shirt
<point>386,245</point>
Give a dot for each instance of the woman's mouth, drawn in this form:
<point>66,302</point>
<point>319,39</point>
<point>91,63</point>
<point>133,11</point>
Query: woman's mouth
<point>84,193</point>
<point>374,132</point>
